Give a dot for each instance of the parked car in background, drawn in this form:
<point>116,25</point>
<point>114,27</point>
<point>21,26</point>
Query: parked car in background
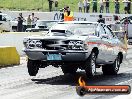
<point>73,45</point>
<point>7,23</point>
<point>42,25</point>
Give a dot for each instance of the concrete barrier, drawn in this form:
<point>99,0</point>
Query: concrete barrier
<point>9,56</point>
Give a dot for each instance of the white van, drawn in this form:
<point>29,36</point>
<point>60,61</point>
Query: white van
<point>8,24</point>
<point>5,22</point>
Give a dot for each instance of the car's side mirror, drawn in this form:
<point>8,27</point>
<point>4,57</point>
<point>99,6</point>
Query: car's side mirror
<point>104,36</point>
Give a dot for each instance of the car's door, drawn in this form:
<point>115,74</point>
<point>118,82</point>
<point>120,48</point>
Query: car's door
<point>102,43</point>
<point>112,47</point>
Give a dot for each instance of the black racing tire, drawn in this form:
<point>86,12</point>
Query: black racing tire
<point>90,65</point>
<point>68,69</point>
<point>112,69</point>
<point>33,67</point>
<point>81,91</point>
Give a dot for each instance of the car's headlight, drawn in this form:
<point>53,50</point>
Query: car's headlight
<point>39,44</point>
<point>76,45</point>
<point>31,44</point>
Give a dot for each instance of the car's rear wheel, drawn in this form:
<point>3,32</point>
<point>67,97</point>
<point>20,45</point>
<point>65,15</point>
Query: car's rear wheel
<point>33,67</point>
<point>112,69</point>
<point>90,65</point>
<point>69,69</point>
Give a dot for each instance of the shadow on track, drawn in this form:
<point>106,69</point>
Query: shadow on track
<point>72,80</point>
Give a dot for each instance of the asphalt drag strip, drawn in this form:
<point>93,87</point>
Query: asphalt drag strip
<point>51,83</point>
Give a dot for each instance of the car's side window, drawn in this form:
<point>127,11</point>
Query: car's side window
<point>108,31</point>
<point>102,30</point>
<point>99,30</point>
<point>113,34</point>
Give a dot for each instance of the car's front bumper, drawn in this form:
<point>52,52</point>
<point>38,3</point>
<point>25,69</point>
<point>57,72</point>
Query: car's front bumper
<point>66,55</point>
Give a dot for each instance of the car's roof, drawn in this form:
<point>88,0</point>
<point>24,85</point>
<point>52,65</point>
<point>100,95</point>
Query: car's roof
<point>48,20</point>
<point>3,14</point>
<point>79,22</point>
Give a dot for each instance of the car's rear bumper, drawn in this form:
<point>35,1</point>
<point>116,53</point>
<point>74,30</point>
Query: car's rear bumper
<point>65,55</point>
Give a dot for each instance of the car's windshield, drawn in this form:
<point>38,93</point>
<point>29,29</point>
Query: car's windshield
<point>75,28</point>
<point>48,24</point>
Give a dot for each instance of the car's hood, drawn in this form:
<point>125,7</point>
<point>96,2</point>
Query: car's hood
<point>71,37</point>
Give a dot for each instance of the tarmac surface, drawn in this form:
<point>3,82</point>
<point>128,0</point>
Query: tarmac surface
<point>51,83</point>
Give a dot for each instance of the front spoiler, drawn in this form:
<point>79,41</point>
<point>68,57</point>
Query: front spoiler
<point>57,51</point>
<point>67,55</point>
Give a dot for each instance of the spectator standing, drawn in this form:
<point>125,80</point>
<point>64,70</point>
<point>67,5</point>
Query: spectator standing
<point>50,5</point>
<point>129,7</point>
<point>29,21</point>
<point>88,6</point>
<point>116,19</point>
<point>69,11</point>
<point>115,26</point>
<point>33,20</point>
<point>62,14</point>
<point>85,5</point>
<point>20,23</point>
<point>117,6</point>
<point>101,19</point>
<point>125,6</point>
<point>68,14</point>
<point>65,12</point>
<point>56,5</point>
<point>107,6</point>
<point>80,6</point>
<point>94,5</point>
<point>101,6</point>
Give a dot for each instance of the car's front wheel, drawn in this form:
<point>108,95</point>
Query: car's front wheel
<point>90,65</point>
<point>112,69</point>
<point>33,67</point>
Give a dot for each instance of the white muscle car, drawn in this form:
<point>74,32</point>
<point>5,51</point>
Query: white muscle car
<point>73,45</point>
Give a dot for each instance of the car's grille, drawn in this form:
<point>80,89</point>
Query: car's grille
<point>54,44</point>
